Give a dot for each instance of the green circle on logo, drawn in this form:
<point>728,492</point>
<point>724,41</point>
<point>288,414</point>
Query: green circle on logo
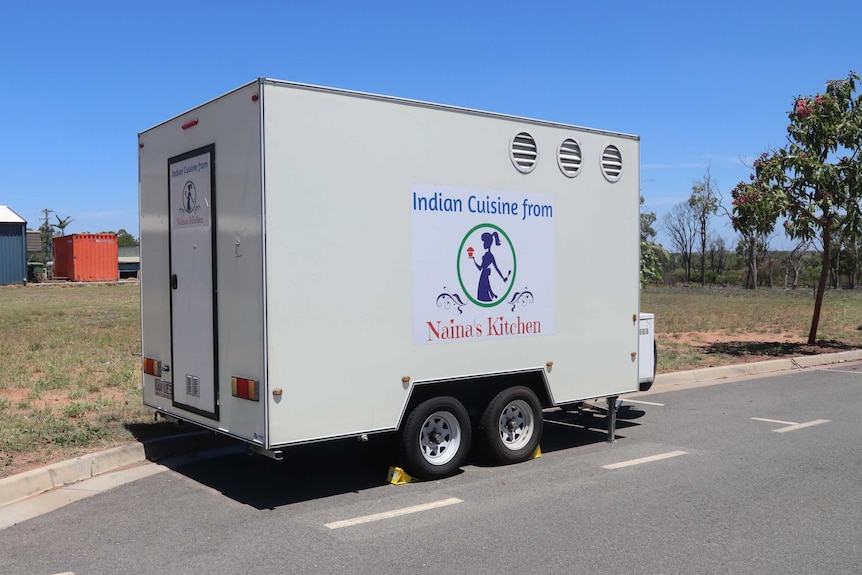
<point>510,279</point>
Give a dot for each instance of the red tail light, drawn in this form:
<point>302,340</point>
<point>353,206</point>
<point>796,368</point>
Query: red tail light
<point>152,367</point>
<point>245,388</point>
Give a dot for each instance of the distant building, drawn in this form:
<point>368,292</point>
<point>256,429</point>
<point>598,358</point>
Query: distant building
<point>34,242</point>
<point>13,247</point>
<point>129,261</point>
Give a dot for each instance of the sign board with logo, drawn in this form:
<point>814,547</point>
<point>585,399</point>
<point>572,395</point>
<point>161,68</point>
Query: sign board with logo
<point>483,264</point>
<point>191,191</point>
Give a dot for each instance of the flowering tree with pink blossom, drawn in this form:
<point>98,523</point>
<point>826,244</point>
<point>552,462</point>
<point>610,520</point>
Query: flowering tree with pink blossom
<point>754,215</point>
<point>815,181</point>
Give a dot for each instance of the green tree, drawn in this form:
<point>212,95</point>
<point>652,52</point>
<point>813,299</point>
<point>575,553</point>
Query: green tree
<point>814,180</point>
<point>852,264</point>
<point>680,225</point>
<point>62,223</point>
<point>754,216</point>
<point>125,239</point>
<point>718,255</point>
<point>46,232</point>
<point>651,252</point>
<point>703,203</point>
<point>793,263</point>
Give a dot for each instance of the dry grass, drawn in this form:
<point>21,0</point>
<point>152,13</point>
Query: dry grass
<point>701,327</point>
<point>70,355</point>
<point>70,371</point>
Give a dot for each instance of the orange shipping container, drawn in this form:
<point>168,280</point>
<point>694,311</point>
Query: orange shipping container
<point>86,257</point>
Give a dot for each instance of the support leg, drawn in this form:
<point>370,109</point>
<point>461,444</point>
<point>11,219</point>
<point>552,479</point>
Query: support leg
<point>612,419</point>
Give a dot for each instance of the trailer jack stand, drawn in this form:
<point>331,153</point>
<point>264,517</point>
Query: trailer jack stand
<point>612,419</point>
<point>271,453</point>
<point>165,417</point>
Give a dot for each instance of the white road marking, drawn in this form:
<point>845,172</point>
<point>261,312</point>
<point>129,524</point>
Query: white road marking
<point>801,425</point>
<point>393,513</point>
<point>649,459</point>
<point>774,421</point>
<point>566,423</point>
<point>576,426</point>
<point>842,371</point>
<point>643,402</point>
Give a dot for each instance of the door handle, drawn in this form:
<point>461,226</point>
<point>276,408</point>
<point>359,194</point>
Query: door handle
<point>173,281</point>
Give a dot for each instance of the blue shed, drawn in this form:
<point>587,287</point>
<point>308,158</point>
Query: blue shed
<point>13,247</point>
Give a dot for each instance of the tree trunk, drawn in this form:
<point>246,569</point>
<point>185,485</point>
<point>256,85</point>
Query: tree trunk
<point>768,260</point>
<point>824,275</point>
<point>856,268</point>
<point>688,268</point>
<point>751,282</point>
<point>853,272</point>
<point>836,277</point>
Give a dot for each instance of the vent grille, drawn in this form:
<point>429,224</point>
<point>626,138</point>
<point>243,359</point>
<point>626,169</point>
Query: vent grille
<point>570,158</point>
<point>612,163</point>
<point>193,385</point>
<point>524,152</point>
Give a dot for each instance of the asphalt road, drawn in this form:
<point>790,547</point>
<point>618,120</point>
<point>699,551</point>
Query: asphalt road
<point>757,476</point>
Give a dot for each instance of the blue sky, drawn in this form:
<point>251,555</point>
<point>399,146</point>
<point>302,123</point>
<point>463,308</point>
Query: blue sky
<point>702,83</point>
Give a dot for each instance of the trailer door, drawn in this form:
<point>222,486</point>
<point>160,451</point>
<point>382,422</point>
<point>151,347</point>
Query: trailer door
<point>193,271</point>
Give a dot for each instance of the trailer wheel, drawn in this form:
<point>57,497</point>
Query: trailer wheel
<point>511,425</point>
<point>436,438</point>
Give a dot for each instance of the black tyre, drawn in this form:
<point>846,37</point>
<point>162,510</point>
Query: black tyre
<point>511,425</point>
<point>435,439</point>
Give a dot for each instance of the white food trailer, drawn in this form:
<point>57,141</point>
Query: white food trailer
<point>318,264</point>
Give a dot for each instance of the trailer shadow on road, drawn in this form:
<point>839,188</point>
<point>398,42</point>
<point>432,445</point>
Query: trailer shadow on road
<point>307,472</point>
<point>565,430</point>
<point>316,471</point>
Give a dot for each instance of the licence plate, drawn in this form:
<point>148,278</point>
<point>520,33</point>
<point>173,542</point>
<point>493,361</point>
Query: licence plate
<point>164,389</point>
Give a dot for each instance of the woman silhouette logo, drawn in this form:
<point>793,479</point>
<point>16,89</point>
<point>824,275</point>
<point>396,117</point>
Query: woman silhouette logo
<point>190,197</point>
<point>494,264</point>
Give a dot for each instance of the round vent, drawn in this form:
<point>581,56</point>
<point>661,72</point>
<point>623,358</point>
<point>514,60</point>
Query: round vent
<point>524,152</point>
<point>612,163</point>
<point>570,158</point>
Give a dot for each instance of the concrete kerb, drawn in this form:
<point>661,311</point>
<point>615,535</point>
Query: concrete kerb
<point>716,374</point>
<point>30,483</point>
<point>23,485</point>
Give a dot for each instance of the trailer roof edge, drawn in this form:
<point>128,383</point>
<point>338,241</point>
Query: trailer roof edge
<point>448,107</point>
<point>405,101</point>
<point>219,97</point>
